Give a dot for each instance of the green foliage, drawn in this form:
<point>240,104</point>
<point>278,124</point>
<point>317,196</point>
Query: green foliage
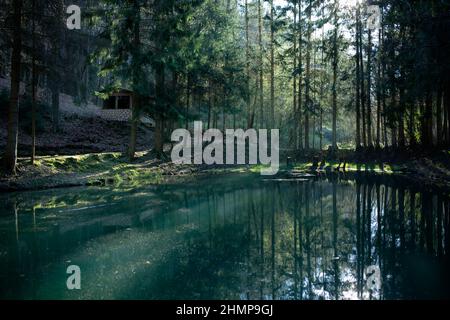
<point>194,41</point>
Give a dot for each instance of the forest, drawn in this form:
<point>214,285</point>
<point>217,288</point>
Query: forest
<point>315,69</point>
<point>92,91</point>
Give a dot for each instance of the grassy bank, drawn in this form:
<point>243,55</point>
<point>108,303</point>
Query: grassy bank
<point>88,169</point>
<point>113,169</point>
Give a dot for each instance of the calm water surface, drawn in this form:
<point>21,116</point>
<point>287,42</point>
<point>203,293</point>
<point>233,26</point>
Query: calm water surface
<point>231,238</point>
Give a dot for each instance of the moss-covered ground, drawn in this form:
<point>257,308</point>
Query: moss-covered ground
<point>115,169</point>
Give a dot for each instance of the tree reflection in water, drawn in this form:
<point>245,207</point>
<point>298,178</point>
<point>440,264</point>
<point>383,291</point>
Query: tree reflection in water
<point>263,240</point>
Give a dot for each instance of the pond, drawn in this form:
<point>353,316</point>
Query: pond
<point>234,237</point>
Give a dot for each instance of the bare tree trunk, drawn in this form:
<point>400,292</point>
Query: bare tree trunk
<point>250,111</point>
<point>369,81</point>
<point>13,111</point>
<point>308,76</point>
<point>362,87</point>
<point>321,130</point>
<point>300,68</point>
<point>54,72</point>
<point>261,66</point>
<point>335,66</point>
<point>402,108</point>
<point>313,132</point>
<point>160,98</point>
<point>294,129</point>
<point>322,81</point>
<point>358,89</point>
<point>385,128</point>
<point>135,108</point>
<point>378,137</point>
<point>394,137</point>
<point>134,125</point>
<point>272,64</point>
<point>401,121</point>
<point>379,82</point>
<point>383,87</point>
<point>411,126</point>
<point>159,140</point>
<point>439,137</point>
<point>33,86</point>
<point>224,104</point>
<point>427,134</point>
<point>188,101</point>
<point>401,132</point>
<point>169,124</point>
<point>210,101</point>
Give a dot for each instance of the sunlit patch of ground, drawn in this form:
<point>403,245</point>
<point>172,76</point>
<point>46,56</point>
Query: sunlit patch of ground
<point>115,169</point>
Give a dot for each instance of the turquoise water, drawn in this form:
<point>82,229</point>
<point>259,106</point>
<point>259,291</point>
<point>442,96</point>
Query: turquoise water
<point>237,237</point>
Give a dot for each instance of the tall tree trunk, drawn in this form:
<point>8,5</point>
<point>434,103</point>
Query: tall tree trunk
<point>160,101</point>
<point>358,89</point>
<point>394,137</point>
<point>272,64</point>
<point>159,139</point>
<point>439,137</point>
<point>174,100</point>
<point>335,67</point>
<point>135,108</point>
<point>134,125</point>
<point>385,127</point>
<point>247,60</point>
<point>313,106</point>
<point>322,80</point>
<point>401,132</point>
<point>55,83</point>
<point>412,125</point>
<point>401,120</point>
<point>250,111</point>
<point>402,107</point>
<point>379,80</point>
<point>308,76</point>
<point>369,86</point>
<point>224,105</point>
<point>383,86</point>
<point>188,101</point>
<point>294,102</point>
<point>261,66</point>
<point>300,75</point>
<point>362,86</point>
<point>321,129</point>
<point>313,132</point>
<point>33,85</point>
<point>427,134</point>
<point>210,101</point>
<point>13,111</point>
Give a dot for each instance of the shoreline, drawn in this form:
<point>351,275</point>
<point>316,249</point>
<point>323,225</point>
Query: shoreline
<point>112,169</point>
